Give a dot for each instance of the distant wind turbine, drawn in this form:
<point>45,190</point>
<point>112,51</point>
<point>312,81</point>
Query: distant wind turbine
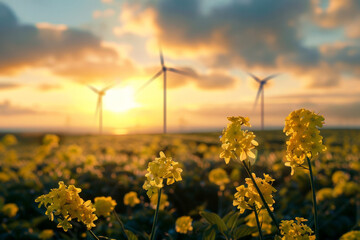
<point>99,107</point>
<point>163,71</point>
<point>262,83</point>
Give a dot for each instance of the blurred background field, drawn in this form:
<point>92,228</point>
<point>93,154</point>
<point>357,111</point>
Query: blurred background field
<point>115,165</point>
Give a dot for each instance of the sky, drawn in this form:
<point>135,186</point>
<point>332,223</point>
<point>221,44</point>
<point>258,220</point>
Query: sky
<point>51,52</point>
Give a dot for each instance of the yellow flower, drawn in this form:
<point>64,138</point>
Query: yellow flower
<point>9,140</point>
<point>219,177</point>
<point>51,140</point>
<point>163,201</point>
<point>65,201</point>
<point>340,176</point>
<point>183,224</point>
<point>248,197</point>
<point>305,140</point>
<point>158,170</point>
<point>324,194</point>
<point>131,199</point>
<point>10,209</point>
<point>90,160</point>
<point>104,206</point>
<point>237,143</point>
<point>352,235</point>
<point>295,230</point>
<point>265,220</point>
<point>46,234</point>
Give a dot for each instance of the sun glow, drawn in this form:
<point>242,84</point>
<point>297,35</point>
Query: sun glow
<point>120,99</point>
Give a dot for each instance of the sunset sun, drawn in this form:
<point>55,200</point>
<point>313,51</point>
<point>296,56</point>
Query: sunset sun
<point>120,100</point>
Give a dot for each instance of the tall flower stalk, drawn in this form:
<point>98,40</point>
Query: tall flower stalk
<point>249,197</point>
<point>158,170</point>
<point>238,144</point>
<point>152,236</point>
<point>312,182</point>
<point>305,144</point>
<point>261,196</point>
<point>258,223</point>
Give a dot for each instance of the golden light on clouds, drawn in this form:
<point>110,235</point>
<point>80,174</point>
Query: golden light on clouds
<point>136,20</point>
<point>45,25</point>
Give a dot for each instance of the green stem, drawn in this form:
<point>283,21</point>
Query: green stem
<point>93,234</point>
<point>220,202</point>
<point>232,227</point>
<point>152,236</point>
<point>258,223</point>
<point>314,200</point>
<point>261,196</point>
<point>120,222</point>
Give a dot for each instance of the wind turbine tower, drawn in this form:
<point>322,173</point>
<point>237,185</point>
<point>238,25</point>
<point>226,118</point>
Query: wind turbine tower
<point>99,105</point>
<point>164,69</point>
<point>262,83</point>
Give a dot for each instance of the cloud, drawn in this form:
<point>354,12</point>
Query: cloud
<point>336,114</point>
<point>7,109</point>
<point>249,34</point>
<point>8,85</point>
<point>103,14</point>
<point>343,13</point>
<point>332,96</point>
<point>107,1</point>
<point>56,47</point>
<point>48,87</point>
<point>213,80</point>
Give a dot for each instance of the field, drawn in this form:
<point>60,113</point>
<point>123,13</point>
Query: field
<point>115,165</point>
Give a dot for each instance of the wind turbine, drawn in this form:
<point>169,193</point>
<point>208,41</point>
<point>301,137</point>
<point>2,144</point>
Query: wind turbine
<point>99,108</point>
<point>163,71</point>
<point>262,83</point>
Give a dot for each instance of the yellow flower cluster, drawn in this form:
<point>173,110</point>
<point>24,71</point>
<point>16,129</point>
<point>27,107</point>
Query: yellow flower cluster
<point>183,224</point>
<point>66,201</point>
<point>248,197</point>
<point>291,230</point>
<point>236,142</point>
<point>352,235</point>
<point>265,220</point>
<point>305,140</point>
<point>131,199</point>
<point>10,209</point>
<point>9,140</point>
<point>104,206</point>
<point>51,140</point>
<point>163,201</point>
<point>160,169</point>
<point>46,234</point>
<point>219,177</point>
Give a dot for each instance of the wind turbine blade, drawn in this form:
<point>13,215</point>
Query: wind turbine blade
<point>254,77</point>
<point>108,87</point>
<point>94,89</point>
<point>181,72</point>
<point>258,95</point>
<point>161,57</point>
<point>269,77</point>
<point>149,81</point>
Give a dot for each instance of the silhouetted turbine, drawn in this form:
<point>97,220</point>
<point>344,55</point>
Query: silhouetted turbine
<point>99,108</point>
<point>262,83</point>
<point>163,71</point>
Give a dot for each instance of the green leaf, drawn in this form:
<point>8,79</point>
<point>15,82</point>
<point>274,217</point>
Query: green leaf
<point>214,219</point>
<point>227,216</point>
<point>243,231</point>
<point>230,218</point>
<point>130,235</point>
<point>209,234</point>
